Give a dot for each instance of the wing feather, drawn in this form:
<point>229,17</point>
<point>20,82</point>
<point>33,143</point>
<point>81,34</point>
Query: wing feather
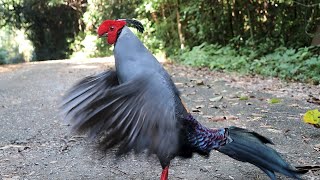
<point>138,114</point>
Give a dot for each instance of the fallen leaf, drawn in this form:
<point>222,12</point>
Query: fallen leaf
<point>243,98</point>
<point>216,99</point>
<point>222,118</point>
<point>199,82</point>
<point>274,130</point>
<point>312,117</point>
<point>274,100</point>
<point>293,105</point>
<point>308,167</point>
<point>217,118</point>
<point>286,130</point>
<point>314,100</point>
<point>12,146</point>
<point>199,100</point>
<point>232,117</point>
<point>233,96</point>
<point>195,110</point>
<point>199,106</point>
<point>191,93</point>
<point>214,106</point>
<point>254,118</point>
<point>266,126</point>
<point>178,84</point>
<point>256,115</point>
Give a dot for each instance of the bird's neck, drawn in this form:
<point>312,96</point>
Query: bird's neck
<point>203,138</point>
<point>132,58</point>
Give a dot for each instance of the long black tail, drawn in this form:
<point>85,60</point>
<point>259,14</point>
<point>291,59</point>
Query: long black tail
<point>249,146</point>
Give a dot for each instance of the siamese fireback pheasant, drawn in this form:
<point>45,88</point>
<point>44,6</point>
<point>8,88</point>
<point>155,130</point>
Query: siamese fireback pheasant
<point>138,107</point>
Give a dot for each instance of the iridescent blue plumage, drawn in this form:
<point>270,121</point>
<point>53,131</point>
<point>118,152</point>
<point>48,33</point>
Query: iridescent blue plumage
<point>202,139</point>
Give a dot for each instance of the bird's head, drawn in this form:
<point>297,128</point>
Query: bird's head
<point>112,28</point>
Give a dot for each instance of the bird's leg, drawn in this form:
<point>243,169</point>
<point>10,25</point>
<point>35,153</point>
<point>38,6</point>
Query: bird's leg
<point>164,174</point>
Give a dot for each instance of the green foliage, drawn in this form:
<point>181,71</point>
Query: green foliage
<point>50,24</point>
<point>216,57</point>
<point>10,57</point>
<point>270,38</point>
<point>301,64</point>
<point>3,56</point>
<point>97,11</point>
<point>14,47</point>
<point>149,37</point>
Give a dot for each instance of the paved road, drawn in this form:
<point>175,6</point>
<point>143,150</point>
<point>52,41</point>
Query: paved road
<point>35,144</point>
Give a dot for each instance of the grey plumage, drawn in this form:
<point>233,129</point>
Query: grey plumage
<point>129,106</point>
<point>138,107</point>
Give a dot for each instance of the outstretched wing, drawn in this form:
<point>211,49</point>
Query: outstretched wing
<point>85,92</point>
<point>138,114</point>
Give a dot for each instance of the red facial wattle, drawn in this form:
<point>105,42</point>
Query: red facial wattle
<point>110,28</point>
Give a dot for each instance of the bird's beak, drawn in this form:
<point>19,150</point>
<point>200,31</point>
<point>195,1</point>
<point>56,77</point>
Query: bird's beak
<point>103,35</point>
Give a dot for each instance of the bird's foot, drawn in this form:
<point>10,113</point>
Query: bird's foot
<point>164,174</point>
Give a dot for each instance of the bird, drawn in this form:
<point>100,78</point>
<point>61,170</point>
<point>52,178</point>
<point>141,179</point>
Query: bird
<point>136,107</point>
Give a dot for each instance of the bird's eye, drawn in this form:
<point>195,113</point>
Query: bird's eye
<point>111,28</point>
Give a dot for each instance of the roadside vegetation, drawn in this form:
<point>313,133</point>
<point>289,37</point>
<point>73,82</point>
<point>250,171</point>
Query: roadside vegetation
<point>271,38</point>
<point>301,64</point>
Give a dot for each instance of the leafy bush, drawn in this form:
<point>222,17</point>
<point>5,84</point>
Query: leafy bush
<point>215,57</point>
<point>292,64</point>
<point>14,46</point>
<point>86,43</point>
<point>3,56</point>
<point>51,25</point>
<point>301,64</point>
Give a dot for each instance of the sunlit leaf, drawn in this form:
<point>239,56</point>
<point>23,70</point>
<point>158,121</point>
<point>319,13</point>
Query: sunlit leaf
<point>243,98</point>
<point>274,100</point>
<point>216,99</point>
<point>312,117</point>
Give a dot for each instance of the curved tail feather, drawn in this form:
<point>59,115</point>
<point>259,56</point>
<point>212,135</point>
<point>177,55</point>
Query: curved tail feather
<point>249,146</point>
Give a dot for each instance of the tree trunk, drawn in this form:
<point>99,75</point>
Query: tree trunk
<point>250,24</point>
<point>163,13</point>
<point>181,35</point>
<point>230,18</point>
<point>316,38</point>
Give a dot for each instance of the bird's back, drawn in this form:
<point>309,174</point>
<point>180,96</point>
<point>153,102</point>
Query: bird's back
<point>133,59</point>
